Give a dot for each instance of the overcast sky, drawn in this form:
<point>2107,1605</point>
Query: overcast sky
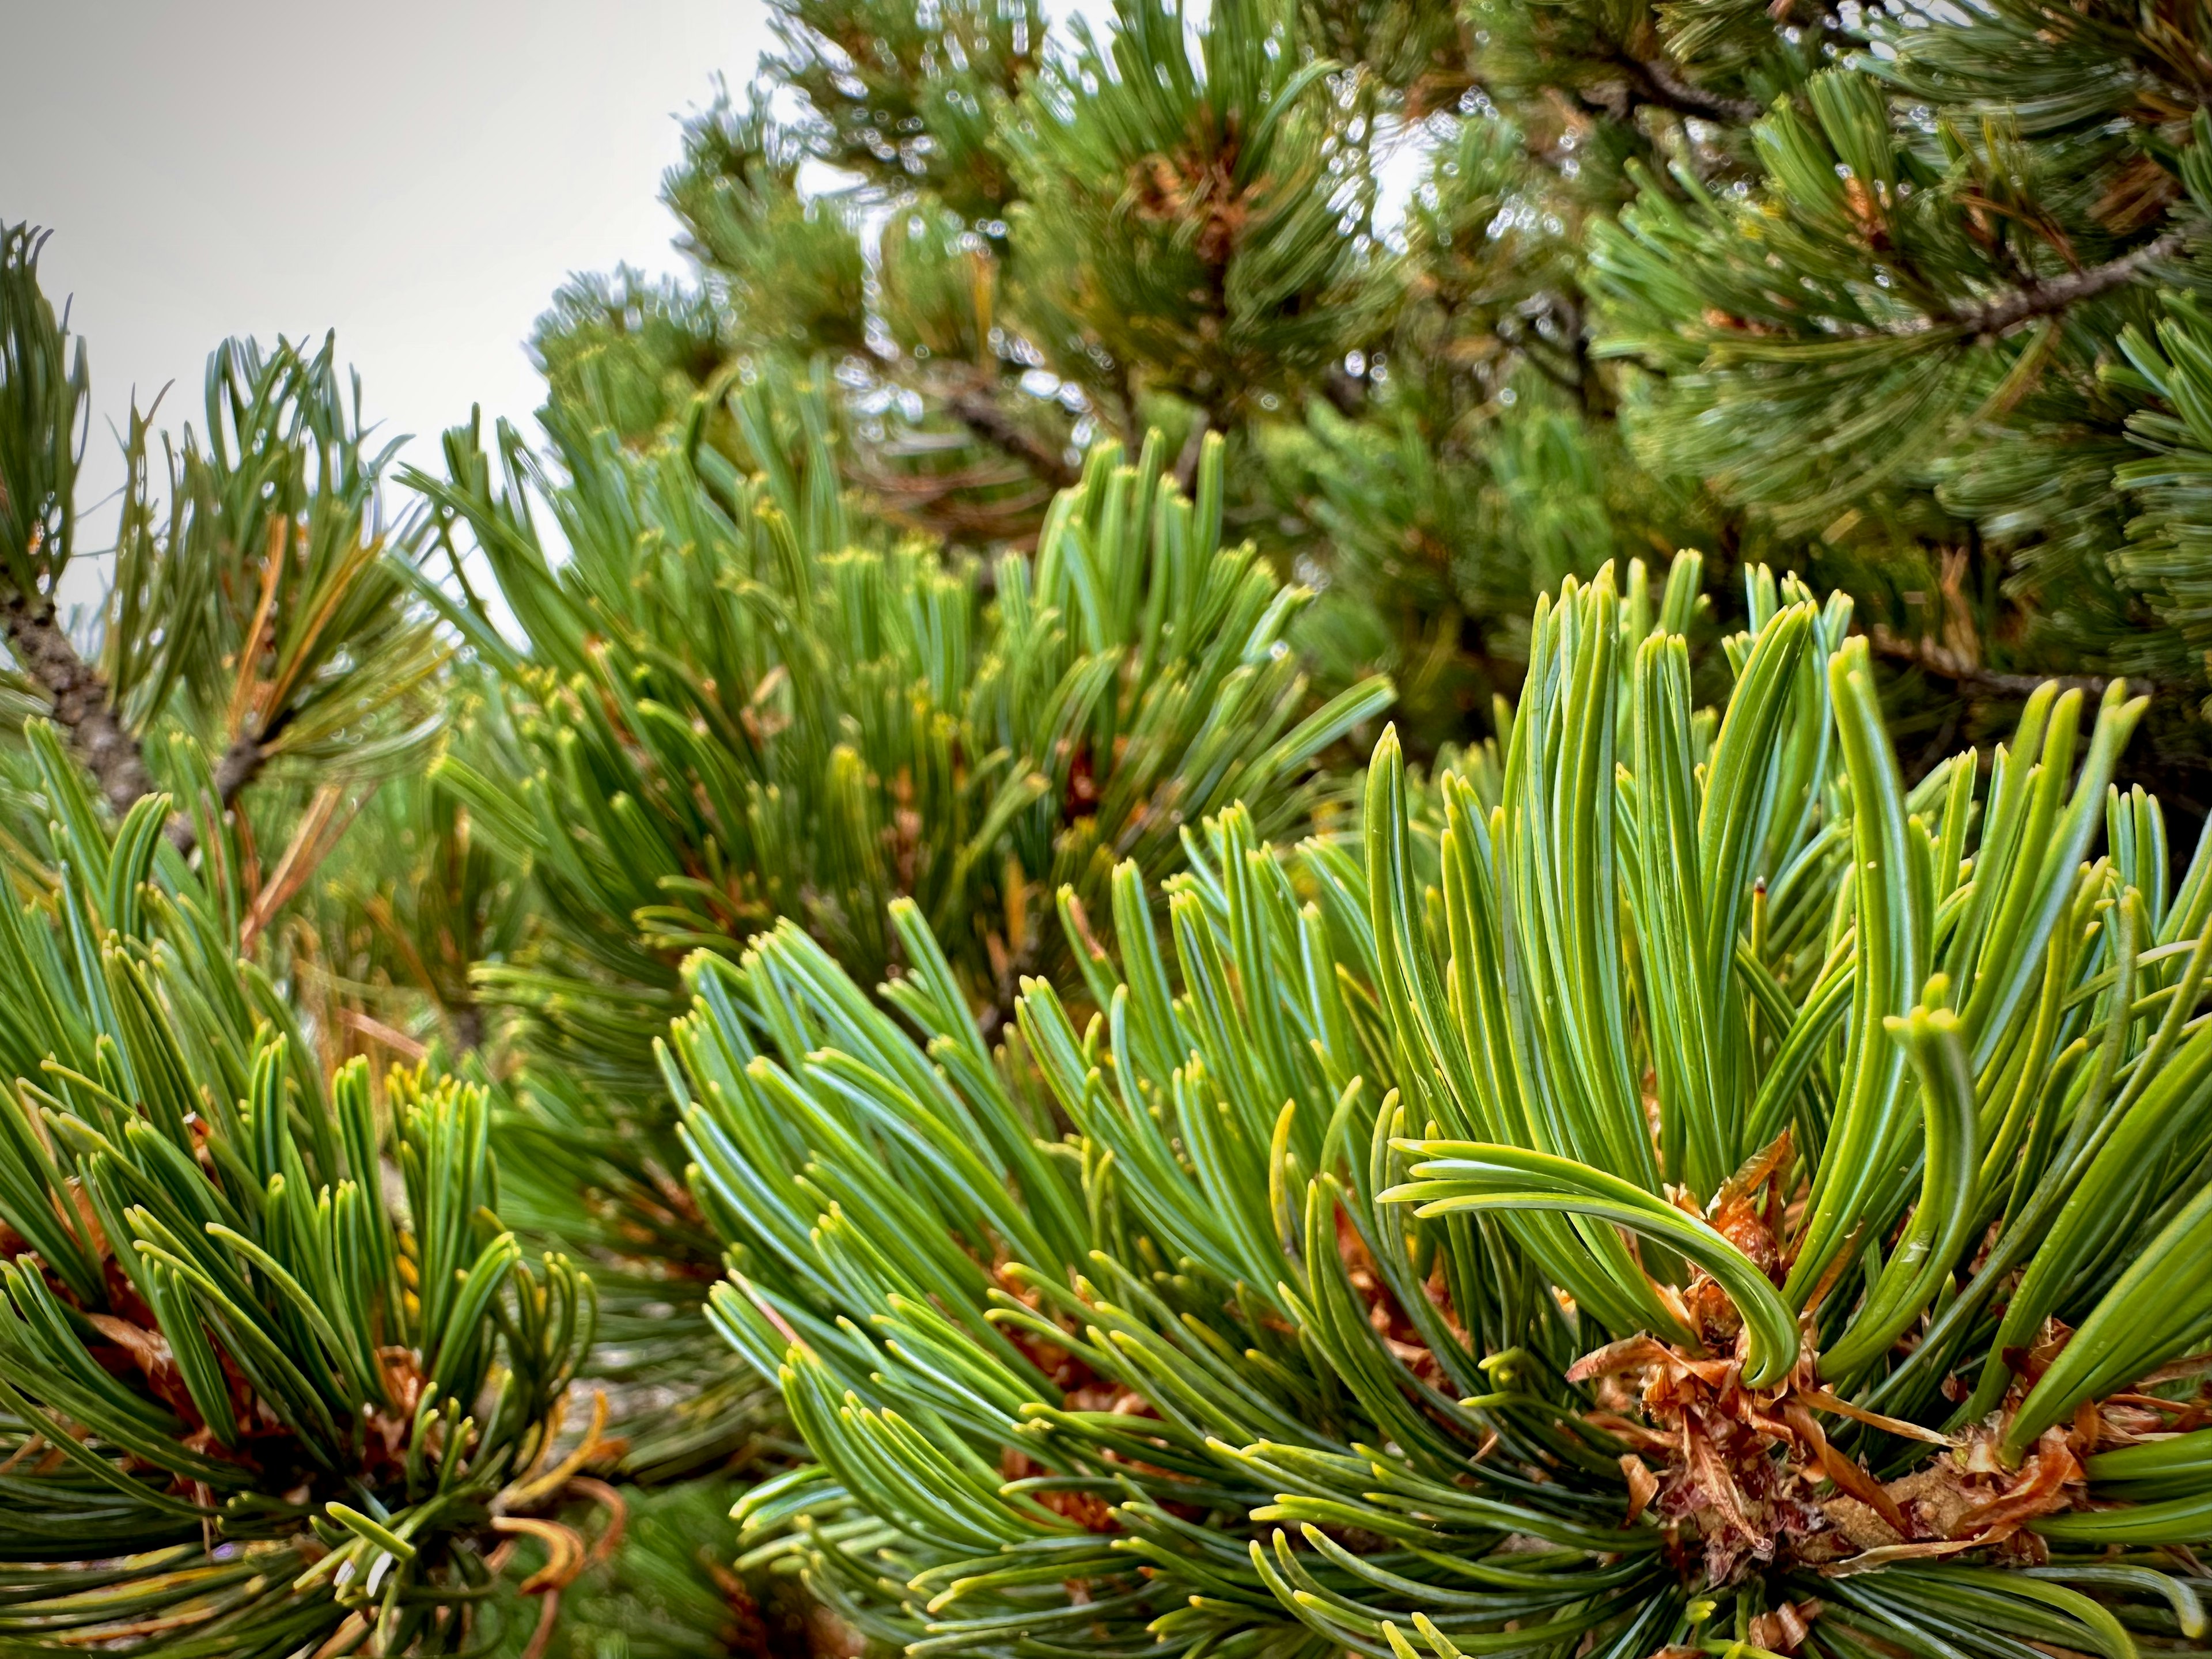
<point>420,176</point>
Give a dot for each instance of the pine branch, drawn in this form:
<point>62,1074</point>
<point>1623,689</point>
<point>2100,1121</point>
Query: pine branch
<point>1992,317</point>
<point>1655,81</point>
<point>249,751</point>
<point>467,1021</point>
<point>973,403</point>
<point>240,764</point>
<point>1950,664</point>
<point>978,409</point>
<point>81,707</point>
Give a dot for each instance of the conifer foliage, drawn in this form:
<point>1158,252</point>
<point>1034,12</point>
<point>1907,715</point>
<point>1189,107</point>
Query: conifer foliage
<point>1522,1259</point>
<point>250,602</point>
<point>1871,289</point>
<point>274,1376</point>
<point>839,1058</point>
<point>742,702</point>
<point>254,1402</point>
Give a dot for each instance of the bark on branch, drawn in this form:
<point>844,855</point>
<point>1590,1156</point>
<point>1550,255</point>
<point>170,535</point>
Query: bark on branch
<point>80,709</point>
<point>1655,81</point>
<point>978,411</point>
<point>105,746</point>
<point>972,400</point>
<point>241,763</point>
<point>1994,316</point>
<point>1954,666</point>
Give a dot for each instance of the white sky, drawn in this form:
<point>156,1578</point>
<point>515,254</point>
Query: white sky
<point>420,176</point>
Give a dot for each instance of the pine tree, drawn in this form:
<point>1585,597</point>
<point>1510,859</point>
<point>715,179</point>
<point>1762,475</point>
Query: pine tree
<point>1691,1157</point>
<point>1032,241</point>
<point>1843,288</point>
<point>1899,322</point>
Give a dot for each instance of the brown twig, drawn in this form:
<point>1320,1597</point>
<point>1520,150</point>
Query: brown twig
<point>241,763</point>
<point>1655,81</point>
<point>1988,317</point>
<point>1954,666</point>
<point>978,409</point>
<point>80,705</point>
<point>971,399</point>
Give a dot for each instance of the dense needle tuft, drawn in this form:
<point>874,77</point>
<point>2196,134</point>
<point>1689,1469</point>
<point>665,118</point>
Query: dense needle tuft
<point>1698,1193</point>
